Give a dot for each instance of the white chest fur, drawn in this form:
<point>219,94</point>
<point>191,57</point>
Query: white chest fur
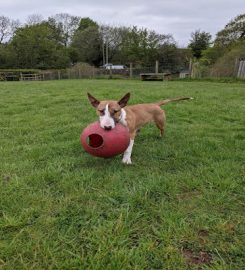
<point>123,118</point>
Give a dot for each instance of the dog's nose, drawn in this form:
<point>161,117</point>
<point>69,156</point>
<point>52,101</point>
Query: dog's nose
<point>107,127</point>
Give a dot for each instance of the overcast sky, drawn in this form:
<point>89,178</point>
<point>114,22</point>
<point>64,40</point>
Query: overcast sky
<point>176,17</point>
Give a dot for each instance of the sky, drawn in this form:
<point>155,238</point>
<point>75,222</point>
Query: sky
<point>177,17</point>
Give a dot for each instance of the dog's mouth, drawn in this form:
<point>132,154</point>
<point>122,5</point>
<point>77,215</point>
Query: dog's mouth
<point>108,126</point>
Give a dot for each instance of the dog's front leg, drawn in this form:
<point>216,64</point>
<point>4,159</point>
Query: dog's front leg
<point>127,154</point>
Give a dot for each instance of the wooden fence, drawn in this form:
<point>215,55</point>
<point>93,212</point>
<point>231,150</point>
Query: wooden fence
<point>32,77</point>
<point>89,73</point>
<point>194,70</point>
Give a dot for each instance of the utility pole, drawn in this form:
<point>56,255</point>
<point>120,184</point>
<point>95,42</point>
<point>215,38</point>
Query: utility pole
<point>103,52</point>
<point>107,52</point>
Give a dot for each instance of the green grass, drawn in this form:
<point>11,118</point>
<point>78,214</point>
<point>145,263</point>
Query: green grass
<point>180,202</point>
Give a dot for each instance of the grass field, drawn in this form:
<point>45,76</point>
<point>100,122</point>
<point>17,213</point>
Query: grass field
<point>179,206</point>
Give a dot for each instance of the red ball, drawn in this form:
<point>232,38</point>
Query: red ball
<point>105,143</point>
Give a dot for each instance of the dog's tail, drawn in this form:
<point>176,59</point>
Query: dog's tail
<point>163,102</point>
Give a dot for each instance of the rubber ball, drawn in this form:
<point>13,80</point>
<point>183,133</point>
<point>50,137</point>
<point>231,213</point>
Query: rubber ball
<point>105,143</point>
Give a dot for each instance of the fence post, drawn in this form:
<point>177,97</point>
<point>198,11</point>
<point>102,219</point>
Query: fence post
<point>58,74</point>
<point>239,72</point>
<point>242,71</point>
<point>190,68</point>
<point>131,70</point>
<point>110,71</point>
<point>194,70</point>
<point>157,65</point>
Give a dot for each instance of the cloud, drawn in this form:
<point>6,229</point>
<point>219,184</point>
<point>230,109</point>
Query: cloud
<point>177,17</point>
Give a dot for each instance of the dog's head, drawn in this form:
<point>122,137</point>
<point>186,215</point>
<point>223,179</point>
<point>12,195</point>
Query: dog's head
<point>109,111</point>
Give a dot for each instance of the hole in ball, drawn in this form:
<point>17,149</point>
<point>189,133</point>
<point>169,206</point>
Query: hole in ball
<point>95,140</point>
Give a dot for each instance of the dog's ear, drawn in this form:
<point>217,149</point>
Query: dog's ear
<point>123,101</point>
<point>95,102</point>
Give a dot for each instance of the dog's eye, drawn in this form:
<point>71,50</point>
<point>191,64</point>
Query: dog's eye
<point>115,111</point>
<point>102,111</point>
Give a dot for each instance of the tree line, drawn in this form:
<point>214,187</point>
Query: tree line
<point>63,40</point>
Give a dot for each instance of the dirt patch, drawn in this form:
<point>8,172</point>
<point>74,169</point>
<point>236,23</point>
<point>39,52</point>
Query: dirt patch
<point>203,233</point>
<point>187,195</point>
<point>203,236</point>
<point>199,259</point>
<point>6,179</point>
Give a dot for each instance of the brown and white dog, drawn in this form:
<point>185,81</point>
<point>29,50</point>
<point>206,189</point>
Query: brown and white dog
<point>133,117</point>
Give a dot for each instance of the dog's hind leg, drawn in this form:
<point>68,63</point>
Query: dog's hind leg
<point>160,121</point>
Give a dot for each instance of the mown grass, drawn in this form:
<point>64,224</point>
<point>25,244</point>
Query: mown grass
<point>180,202</point>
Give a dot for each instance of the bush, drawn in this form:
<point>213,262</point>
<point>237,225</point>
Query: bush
<point>84,68</point>
<point>225,65</point>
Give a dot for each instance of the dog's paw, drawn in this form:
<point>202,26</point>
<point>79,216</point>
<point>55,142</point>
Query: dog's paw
<point>127,160</point>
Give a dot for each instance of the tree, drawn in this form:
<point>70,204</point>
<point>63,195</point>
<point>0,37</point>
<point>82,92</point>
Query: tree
<point>211,54</point>
<point>199,41</point>
<point>7,56</point>
<point>7,28</point>
<point>85,23</point>
<point>34,19</point>
<point>171,58</point>
<point>233,32</point>
<point>162,47</point>
<point>67,25</point>
<point>35,47</point>
<point>87,42</point>
<point>112,42</point>
<point>142,46</point>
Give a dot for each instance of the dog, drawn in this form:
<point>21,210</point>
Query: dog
<point>134,117</point>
